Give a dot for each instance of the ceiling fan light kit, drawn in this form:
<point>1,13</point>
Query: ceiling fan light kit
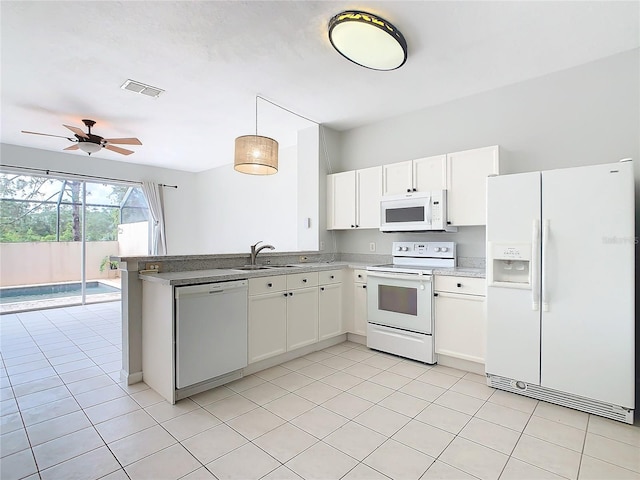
<point>367,40</point>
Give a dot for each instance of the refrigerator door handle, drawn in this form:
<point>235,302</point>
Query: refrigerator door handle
<point>545,244</point>
<point>535,266</point>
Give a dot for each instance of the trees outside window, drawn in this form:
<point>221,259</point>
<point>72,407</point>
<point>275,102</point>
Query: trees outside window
<point>42,209</point>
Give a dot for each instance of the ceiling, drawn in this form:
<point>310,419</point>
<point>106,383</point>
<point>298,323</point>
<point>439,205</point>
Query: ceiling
<point>63,61</point>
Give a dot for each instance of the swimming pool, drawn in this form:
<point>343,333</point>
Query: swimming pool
<point>43,292</point>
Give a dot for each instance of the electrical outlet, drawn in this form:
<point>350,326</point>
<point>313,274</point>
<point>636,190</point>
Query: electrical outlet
<point>303,258</point>
<point>321,245</point>
<point>153,266</point>
<point>372,246</point>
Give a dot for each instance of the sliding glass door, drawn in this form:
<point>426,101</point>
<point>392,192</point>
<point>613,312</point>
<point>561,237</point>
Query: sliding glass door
<point>57,236</point>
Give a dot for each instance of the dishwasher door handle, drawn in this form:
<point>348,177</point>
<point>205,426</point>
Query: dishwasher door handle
<point>209,288</point>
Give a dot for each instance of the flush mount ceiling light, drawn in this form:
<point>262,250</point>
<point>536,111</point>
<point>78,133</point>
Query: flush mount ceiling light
<point>367,40</point>
<point>256,155</point>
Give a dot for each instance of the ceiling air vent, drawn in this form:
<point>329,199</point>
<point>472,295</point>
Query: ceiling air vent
<point>141,88</point>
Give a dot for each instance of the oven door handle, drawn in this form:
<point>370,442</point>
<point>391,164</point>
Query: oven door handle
<point>400,276</point>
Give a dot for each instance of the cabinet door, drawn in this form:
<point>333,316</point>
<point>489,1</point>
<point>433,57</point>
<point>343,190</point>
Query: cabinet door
<point>430,173</point>
<point>360,308</point>
<point>341,200</point>
<point>397,178</point>
<point>267,326</point>
<point>302,317</point>
<point>330,311</point>
<point>460,326</point>
<point>467,174</point>
<point>369,184</point>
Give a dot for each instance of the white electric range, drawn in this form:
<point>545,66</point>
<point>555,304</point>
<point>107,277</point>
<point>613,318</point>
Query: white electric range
<point>400,299</point>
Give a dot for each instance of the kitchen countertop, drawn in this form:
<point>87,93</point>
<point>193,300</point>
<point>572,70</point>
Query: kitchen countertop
<point>194,277</point>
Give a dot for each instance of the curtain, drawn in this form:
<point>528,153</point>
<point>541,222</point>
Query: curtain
<point>158,237</point>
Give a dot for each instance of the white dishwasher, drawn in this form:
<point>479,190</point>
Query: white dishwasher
<point>211,331</point>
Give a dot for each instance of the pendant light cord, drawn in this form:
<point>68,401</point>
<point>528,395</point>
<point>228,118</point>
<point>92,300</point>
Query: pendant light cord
<point>283,108</point>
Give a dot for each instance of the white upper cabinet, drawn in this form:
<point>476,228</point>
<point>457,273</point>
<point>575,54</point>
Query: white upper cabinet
<point>369,186</point>
<point>430,173</point>
<point>353,199</point>
<point>467,174</point>
<point>397,178</point>
<point>341,198</point>
<point>420,175</point>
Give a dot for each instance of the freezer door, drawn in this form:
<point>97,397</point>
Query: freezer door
<point>588,282</point>
<point>513,322</point>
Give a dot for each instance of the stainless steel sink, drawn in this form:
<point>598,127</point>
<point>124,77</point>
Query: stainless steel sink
<point>252,267</point>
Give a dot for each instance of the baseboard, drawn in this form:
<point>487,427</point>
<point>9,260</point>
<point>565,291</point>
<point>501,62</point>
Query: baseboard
<point>299,352</point>
<point>130,378</point>
<point>356,338</point>
<point>460,364</point>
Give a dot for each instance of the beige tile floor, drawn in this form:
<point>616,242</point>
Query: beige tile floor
<point>343,412</point>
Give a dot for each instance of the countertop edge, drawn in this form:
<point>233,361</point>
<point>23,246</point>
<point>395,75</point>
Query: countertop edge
<point>195,277</point>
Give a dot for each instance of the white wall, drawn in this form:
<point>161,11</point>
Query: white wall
<point>581,116</point>
<point>181,229</point>
<point>237,210</point>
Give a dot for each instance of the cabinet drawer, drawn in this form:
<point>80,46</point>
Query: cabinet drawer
<point>301,280</point>
<point>274,283</point>
<point>329,276</point>
<point>360,276</point>
<point>468,285</point>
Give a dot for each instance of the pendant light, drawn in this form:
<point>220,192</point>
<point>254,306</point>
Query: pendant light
<point>367,40</point>
<point>256,155</point>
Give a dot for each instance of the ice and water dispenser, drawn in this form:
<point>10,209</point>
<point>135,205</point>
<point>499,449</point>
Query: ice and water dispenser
<point>509,265</point>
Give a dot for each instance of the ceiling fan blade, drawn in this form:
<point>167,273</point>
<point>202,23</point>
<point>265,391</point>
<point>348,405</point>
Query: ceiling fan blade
<point>48,135</point>
<point>124,141</point>
<point>123,151</point>
<point>72,147</point>
<point>77,131</point>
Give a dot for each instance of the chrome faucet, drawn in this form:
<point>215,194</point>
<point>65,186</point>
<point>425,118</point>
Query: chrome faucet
<point>255,251</point>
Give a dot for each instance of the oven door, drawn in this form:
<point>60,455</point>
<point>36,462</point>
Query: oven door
<point>402,301</point>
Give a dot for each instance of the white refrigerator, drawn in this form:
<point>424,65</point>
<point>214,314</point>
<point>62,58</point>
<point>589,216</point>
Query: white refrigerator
<point>560,287</point>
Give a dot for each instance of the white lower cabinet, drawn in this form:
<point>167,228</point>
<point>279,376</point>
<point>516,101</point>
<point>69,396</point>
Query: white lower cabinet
<point>302,317</point>
<point>267,325</point>
<point>330,321</point>
<point>460,318</point>
<point>360,302</point>
<point>283,314</point>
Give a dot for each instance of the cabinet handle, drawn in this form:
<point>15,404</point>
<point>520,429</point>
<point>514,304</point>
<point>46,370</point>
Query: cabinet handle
<point>415,189</point>
<point>364,286</point>
<point>353,226</point>
<point>286,294</point>
<point>458,285</point>
<point>408,190</point>
<point>269,284</point>
<point>304,280</point>
<point>331,277</point>
<point>291,294</point>
<point>435,294</point>
<point>322,289</point>
<point>448,223</point>
<point>359,276</point>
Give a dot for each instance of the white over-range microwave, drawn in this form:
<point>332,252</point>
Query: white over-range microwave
<point>415,212</point>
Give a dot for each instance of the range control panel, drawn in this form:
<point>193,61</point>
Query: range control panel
<point>424,249</point>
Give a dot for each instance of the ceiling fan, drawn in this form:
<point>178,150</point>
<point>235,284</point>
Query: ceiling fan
<point>90,143</point>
